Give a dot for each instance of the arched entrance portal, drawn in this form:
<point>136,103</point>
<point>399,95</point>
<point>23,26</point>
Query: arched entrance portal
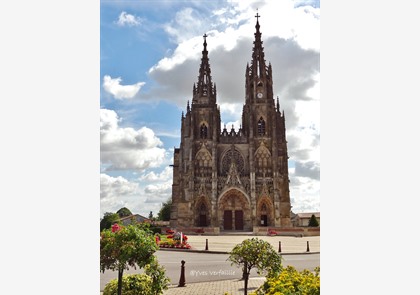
<point>234,211</point>
<point>265,212</point>
<point>202,212</point>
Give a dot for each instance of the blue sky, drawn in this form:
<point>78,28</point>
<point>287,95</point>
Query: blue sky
<point>149,59</point>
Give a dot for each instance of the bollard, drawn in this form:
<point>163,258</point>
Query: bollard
<point>207,245</point>
<point>279,246</point>
<point>307,246</point>
<point>182,277</point>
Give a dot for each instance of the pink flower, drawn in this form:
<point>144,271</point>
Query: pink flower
<point>115,227</point>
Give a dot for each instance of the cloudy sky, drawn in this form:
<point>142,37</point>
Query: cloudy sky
<point>149,60</point>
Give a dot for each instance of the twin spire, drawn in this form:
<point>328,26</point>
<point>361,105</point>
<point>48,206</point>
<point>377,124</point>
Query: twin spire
<point>205,90</point>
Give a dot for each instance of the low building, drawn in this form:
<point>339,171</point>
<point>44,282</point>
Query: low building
<point>302,219</point>
<point>136,217</point>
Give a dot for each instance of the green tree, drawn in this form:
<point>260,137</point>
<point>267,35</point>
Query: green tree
<point>165,211</point>
<point>313,221</point>
<point>126,246</point>
<point>108,220</point>
<point>256,253</point>
<point>124,212</point>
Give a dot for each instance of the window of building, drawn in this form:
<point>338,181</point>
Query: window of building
<point>261,127</point>
<point>203,131</point>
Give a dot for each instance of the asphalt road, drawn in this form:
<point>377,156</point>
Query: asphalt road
<point>203,267</point>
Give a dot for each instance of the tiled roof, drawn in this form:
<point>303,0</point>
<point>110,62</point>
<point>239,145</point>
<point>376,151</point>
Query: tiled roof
<point>308,214</point>
<point>133,216</point>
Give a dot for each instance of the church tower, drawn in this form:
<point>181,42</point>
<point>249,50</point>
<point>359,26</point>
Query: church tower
<point>194,161</point>
<point>232,180</point>
<point>265,126</point>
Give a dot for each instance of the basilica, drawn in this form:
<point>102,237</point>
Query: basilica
<point>230,180</point>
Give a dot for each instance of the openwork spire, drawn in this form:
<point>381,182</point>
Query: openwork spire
<point>258,68</point>
<point>204,85</point>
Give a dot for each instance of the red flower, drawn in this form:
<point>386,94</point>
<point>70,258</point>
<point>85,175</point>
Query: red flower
<point>115,227</point>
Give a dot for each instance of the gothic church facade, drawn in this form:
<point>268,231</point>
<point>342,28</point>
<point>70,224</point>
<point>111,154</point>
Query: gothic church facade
<point>227,179</point>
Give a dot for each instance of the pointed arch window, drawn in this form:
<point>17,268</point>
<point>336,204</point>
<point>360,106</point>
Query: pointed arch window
<point>261,127</point>
<point>203,131</point>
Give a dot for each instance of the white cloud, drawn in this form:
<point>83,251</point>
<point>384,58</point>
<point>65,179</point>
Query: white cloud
<point>308,169</point>
<point>305,195</point>
<point>127,148</point>
<point>158,193</point>
<point>114,192</point>
<point>187,50</point>
<point>187,24</point>
<point>130,20</point>
<point>230,109</point>
<point>165,175</point>
<point>138,197</point>
<point>112,186</point>
<point>119,91</point>
<point>294,64</point>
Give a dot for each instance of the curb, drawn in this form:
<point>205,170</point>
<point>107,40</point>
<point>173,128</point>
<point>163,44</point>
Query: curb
<point>223,252</point>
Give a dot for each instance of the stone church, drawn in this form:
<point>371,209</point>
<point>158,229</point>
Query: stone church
<point>232,180</point>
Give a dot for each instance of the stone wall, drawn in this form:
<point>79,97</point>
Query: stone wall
<point>291,231</point>
<point>195,230</point>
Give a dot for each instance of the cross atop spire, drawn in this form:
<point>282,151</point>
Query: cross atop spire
<point>205,42</point>
<point>257,26</point>
<point>205,87</point>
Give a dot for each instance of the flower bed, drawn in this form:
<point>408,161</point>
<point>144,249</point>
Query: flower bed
<point>173,240</point>
<point>272,232</point>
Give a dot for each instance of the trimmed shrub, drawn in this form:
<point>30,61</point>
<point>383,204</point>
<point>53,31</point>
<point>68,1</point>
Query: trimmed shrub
<point>292,282</point>
<point>131,285</point>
